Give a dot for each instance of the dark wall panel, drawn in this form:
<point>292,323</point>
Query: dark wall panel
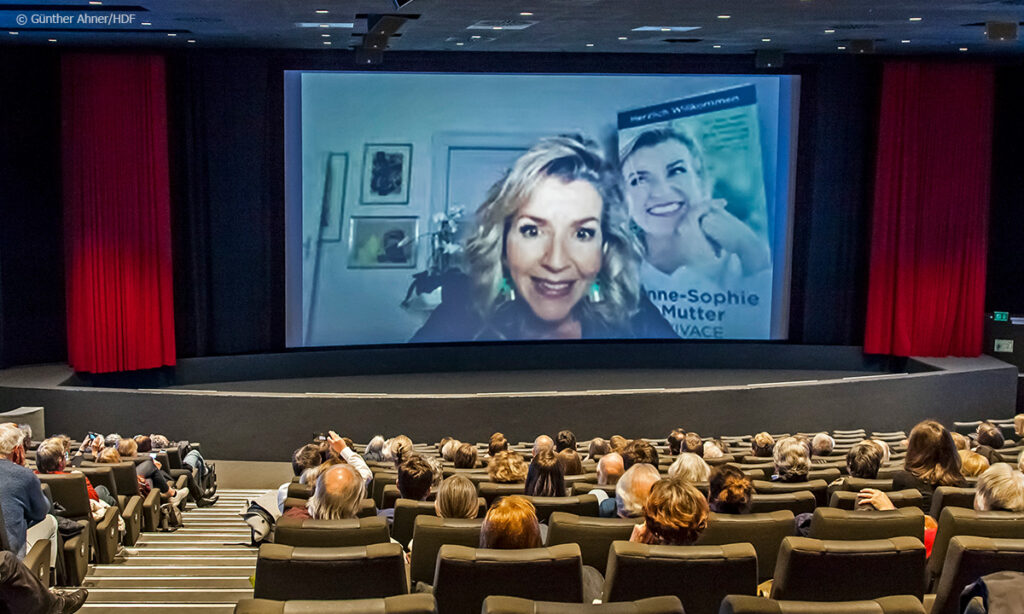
<point>1005,283</point>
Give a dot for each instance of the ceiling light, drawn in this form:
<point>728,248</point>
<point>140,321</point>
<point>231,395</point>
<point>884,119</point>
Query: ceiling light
<point>497,28</point>
<point>916,18</point>
<point>171,34</point>
<point>590,44</point>
<point>95,2</point>
<point>321,11</point>
<point>623,38</point>
<point>326,35</point>
<point>191,40</point>
<point>475,36</point>
<point>963,49</point>
<point>725,16</point>
<point>526,14</point>
<point>841,47</point>
<point>321,24</point>
<point>327,42</point>
<point>146,23</point>
<point>766,40</point>
<point>52,40</point>
<point>459,44</point>
<point>12,33</point>
<point>905,41</point>
<point>830,31</point>
<point>717,46</point>
<point>665,28</point>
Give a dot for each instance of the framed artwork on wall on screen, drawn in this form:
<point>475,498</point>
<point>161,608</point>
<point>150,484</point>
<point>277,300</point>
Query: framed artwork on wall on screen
<point>335,177</point>
<point>382,242</point>
<point>387,169</point>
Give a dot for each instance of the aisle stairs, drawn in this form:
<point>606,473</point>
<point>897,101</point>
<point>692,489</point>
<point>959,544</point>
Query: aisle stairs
<point>203,567</point>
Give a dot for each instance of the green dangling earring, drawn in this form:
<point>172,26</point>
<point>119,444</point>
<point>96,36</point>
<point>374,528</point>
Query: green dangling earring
<point>507,290</point>
<point>595,292</point>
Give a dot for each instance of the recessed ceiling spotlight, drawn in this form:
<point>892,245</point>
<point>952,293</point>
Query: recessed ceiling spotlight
<point>905,41</point>
<point>916,18</point>
<point>497,28</point>
<point>666,29</point>
<point>526,14</point>
<point>841,47</point>
<point>52,40</point>
<point>963,49</point>
<point>475,36</point>
<point>327,42</point>
<point>717,46</point>
<point>95,2</point>
<point>830,31</point>
<point>146,23</point>
<point>171,34</point>
<point>590,44</point>
<point>191,40</point>
<point>324,25</point>
<point>766,40</point>
<point>13,33</point>
<point>725,16</point>
<point>321,11</point>
<point>326,35</point>
<point>623,38</point>
<point>459,44</point>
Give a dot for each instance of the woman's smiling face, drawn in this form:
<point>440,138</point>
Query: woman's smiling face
<point>553,246</point>
<point>662,186</point>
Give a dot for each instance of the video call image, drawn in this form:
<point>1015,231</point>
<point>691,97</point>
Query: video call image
<point>433,208</point>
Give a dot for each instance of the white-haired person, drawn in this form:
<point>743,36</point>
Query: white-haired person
<point>630,492</point>
<point>374,450</point>
<point>822,445</point>
<point>550,256</point>
<point>690,468</point>
<point>338,493</point>
<point>792,460</point>
<point>25,509</point>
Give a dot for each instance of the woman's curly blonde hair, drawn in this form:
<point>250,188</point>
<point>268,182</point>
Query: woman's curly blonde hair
<point>675,513</point>
<point>507,467</point>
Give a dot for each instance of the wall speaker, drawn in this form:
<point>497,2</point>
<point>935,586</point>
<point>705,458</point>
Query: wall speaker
<point>768,58</point>
<point>862,45</point>
<point>1001,31</point>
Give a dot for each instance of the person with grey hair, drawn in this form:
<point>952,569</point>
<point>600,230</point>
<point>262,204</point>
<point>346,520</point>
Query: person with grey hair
<point>541,443</point>
<point>821,446</point>
<point>375,449</point>
<point>449,448</point>
<point>25,509</point>
<point>338,493</point>
<point>792,460</point>
<point>690,468</point>
<point>609,469</point>
<point>549,257</point>
<point>630,492</point>
<point>1000,487</point>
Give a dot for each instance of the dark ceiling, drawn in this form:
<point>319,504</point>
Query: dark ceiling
<point>722,26</point>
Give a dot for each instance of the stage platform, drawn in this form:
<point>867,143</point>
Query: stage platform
<point>260,407</point>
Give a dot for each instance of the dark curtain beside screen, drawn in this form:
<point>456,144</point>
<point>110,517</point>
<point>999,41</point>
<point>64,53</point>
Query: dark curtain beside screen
<point>227,174</point>
<point>116,213</point>
<point>930,228</point>
<point>1004,288</point>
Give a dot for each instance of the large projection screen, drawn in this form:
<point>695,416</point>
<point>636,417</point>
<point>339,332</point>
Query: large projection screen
<point>439,207</point>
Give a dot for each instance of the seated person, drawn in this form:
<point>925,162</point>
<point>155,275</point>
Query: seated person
<point>962,443</point>
<point>374,450</point>
<point>932,460</point>
<point>972,464</point>
<point>730,491</point>
<point>22,591</point>
<point>545,477</point>
<point>149,470</point>
<point>1000,488</point>
<point>25,509</point>
<point>990,439</point>
<point>465,456</point>
<point>862,461</point>
<point>51,458</point>
<point>792,460</point>
<point>542,442</point>
<point>690,468</point>
<point>598,448</point>
<point>571,463</point>
<point>510,524</point>
<point>610,468</point>
<point>630,492</point>
<point>338,494</point>
<point>693,444</point>
<point>415,477</point>
<point>565,440</point>
<point>400,448</point>
<point>675,441</point>
<point>821,446</point>
<point>639,451</point>
<point>456,498</point>
<point>193,462</point>
<point>497,444</point>
<point>762,445</point>
<point>448,449</point>
<point>713,449</point>
<point>303,459</point>
<point>507,467</point>
<point>675,514</point>
<point>618,443</point>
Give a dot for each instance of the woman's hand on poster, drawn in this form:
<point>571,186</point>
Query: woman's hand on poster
<point>727,233</point>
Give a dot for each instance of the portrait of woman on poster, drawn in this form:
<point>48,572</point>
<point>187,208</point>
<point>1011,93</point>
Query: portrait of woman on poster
<point>672,211</point>
<point>550,257</point>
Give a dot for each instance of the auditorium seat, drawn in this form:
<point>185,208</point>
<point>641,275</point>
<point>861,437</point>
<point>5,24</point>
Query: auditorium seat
<point>421,603</point>
<point>358,572</point>
<point>466,576</point>
<point>300,491</point>
<point>128,486</point>
<point>951,496</point>
<point>582,477</point>
<point>301,532</point>
<point>897,604</point>
<point>517,605</point>
<point>582,488</point>
<point>966,428</point>
<point>838,570</point>
<point>956,521</point>
<point>70,492</point>
<point>799,502</point>
<point>849,433</point>
<point>594,535</point>
<point>819,488</point>
<point>758,474</point>
<point>837,524</point>
<point>406,512</point>
<point>967,559</point>
<point>763,531</point>
<point>430,533</point>
<point>821,472</point>
<point>846,500</point>
<point>582,505</point>
<point>450,471</point>
<point>130,508</point>
<point>849,484</point>
<point>491,491</point>
<point>721,460</point>
<point>38,557</point>
<point>76,551</point>
<point>380,480</point>
<point>701,576</point>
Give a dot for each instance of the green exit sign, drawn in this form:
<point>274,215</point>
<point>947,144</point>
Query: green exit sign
<point>1001,316</point>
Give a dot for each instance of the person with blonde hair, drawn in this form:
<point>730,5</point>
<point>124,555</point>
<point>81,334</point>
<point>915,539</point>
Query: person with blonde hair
<point>1000,487</point>
<point>762,445</point>
<point>507,467</point>
<point>675,514</point>
<point>972,464</point>
<point>401,449</point>
<point>792,460</point>
<point>511,523</point>
<point>689,468</point>
<point>550,256</point>
<point>631,491</point>
<point>456,498</point>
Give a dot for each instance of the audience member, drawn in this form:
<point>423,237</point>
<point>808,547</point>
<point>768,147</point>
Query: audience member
<point>542,442</point>
<point>465,456</point>
<point>51,458</point>
<point>151,472</point>
<point>497,444</point>
<point>401,449</point>
<point>932,460</point>
<point>609,469</point>
<point>22,592</point>
<point>374,451</point>
<point>338,493</point>
<point>821,446</point>
<point>693,444</point>
<point>639,451</point>
<point>415,477</point>
<point>729,490</point>
<point>990,435</point>
<point>1018,425</point>
<point>303,459</point>
<point>792,460</point>
<point>598,448</point>
<point>456,498</point>
<point>448,449</point>
<point>21,497</point>
<point>565,440</point>
<point>1020,461</point>
<point>884,447</point>
<point>571,464</point>
<point>762,445</point>
<point>972,464</point>
<point>675,441</point>
<point>160,442</point>
<point>675,514</point>
<point>618,443</point>
<point>713,450</point>
<point>511,524</point>
<point>1000,487</point>
<point>689,468</point>
<point>864,460</point>
<point>507,467</point>
<point>962,443</point>
<point>631,491</point>
<point>545,477</point>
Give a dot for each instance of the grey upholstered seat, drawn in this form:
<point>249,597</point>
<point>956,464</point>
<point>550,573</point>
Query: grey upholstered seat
<point>518,605</point>
<point>898,604</point>
<point>764,531</point>
<point>358,572</point>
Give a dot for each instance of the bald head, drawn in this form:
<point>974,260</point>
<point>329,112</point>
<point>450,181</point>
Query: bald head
<point>542,443</point>
<point>609,468</point>
<point>338,493</point>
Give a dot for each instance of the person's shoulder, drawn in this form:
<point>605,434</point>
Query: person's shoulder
<point>648,322</point>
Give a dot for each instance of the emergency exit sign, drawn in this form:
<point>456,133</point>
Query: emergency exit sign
<point>1001,316</point>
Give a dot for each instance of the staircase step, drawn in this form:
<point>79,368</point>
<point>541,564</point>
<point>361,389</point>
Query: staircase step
<point>168,595</point>
<point>125,571</point>
<point>188,561</point>
<point>159,583</point>
<point>146,608</point>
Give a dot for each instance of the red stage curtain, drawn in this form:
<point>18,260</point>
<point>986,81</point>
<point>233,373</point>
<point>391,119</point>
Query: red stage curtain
<point>926,288</point>
<point>116,213</point>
